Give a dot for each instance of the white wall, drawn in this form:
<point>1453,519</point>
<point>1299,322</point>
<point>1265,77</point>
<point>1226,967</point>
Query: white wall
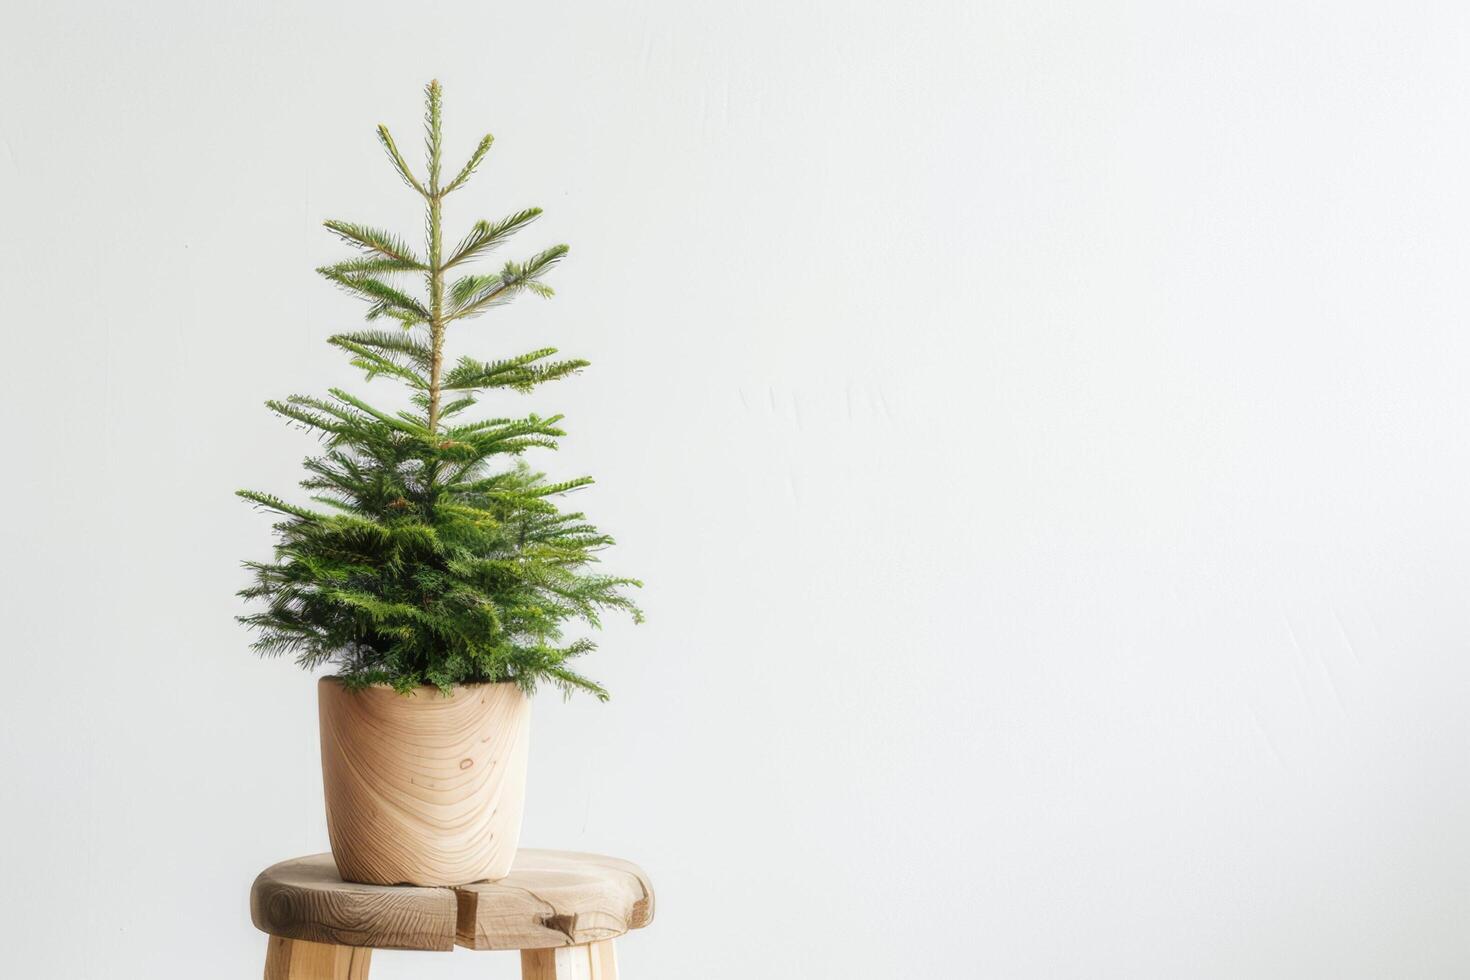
<point>1040,425</point>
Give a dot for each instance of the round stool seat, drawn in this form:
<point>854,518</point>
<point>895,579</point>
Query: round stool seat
<point>551,899</point>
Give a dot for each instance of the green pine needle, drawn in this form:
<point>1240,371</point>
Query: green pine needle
<point>473,164</point>
<point>439,557</point>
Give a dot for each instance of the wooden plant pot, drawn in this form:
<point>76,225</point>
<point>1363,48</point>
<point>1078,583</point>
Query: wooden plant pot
<point>424,788</point>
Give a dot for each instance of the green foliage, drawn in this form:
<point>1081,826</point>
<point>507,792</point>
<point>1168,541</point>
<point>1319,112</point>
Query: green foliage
<point>433,554</point>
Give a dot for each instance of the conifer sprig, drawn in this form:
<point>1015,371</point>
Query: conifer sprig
<point>435,555</point>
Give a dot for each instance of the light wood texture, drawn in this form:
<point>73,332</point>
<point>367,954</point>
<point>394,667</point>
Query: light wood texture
<point>594,961</point>
<point>550,899</point>
<point>307,899</point>
<point>424,789</point>
<point>555,898</point>
<point>295,959</point>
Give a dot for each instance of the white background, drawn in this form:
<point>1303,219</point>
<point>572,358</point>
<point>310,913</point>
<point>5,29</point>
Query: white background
<point>1040,427</point>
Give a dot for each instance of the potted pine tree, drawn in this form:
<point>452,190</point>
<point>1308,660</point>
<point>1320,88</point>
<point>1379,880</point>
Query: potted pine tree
<point>434,569</point>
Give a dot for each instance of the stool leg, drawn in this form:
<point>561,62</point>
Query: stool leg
<point>594,961</point>
<point>297,959</point>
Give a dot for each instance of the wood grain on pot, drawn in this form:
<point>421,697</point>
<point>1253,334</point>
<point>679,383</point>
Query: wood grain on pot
<point>424,788</point>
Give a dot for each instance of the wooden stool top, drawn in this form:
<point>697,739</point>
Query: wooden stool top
<point>551,898</point>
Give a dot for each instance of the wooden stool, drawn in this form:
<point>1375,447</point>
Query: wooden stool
<point>561,909</point>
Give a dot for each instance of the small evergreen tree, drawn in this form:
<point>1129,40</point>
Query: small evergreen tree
<point>441,557</point>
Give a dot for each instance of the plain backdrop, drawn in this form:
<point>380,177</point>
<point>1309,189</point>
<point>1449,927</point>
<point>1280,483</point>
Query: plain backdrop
<point>1040,427</point>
